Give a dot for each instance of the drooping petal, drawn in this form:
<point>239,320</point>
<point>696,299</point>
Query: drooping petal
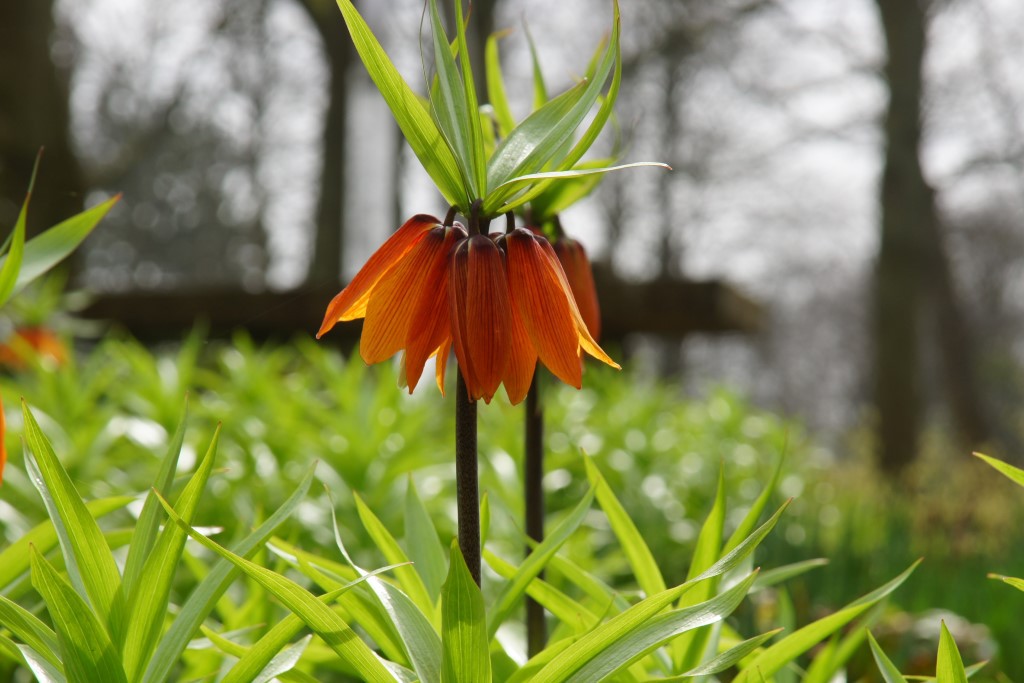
<point>458,288</point>
<point>578,272</point>
<point>431,317</point>
<point>488,316</point>
<point>545,305</point>
<point>392,302</point>
<point>441,362</point>
<point>351,302</point>
<point>522,361</point>
<point>586,342</point>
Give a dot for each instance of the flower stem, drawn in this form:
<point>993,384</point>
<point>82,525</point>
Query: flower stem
<point>533,476</point>
<point>466,479</point>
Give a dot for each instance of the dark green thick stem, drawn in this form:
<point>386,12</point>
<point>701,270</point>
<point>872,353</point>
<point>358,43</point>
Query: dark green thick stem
<point>466,480</point>
<point>533,477</point>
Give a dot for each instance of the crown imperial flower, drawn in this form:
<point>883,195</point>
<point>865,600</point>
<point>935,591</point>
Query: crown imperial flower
<point>501,301</point>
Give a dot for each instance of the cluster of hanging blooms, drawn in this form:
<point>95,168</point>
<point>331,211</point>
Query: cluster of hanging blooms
<point>501,301</point>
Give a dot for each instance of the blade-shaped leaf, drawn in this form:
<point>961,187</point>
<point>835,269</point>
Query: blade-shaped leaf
<point>688,648</point>
<point>319,617</point>
<point>30,630</point>
<point>87,555</point>
<point>1013,581</point>
<point>148,603</point>
<point>88,654</point>
<point>14,559</point>
<point>420,641</point>
<point>787,572</point>
<point>641,561</point>
<point>203,599</point>
<point>889,672</point>
<point>44,670</point>
<point>421,540</point>
<point>789,648</point>
<point>450,106</point>
<point>259,658</point>
<point>496,86</point>
<point>413,119</point>
<point>646,636</point>
<point>149,519</point>
<point>510,186</point>
<point>1012,473</point>
<point>534,564</point>
<point>463,626</point>
<point>731,656</point>
<point>754,514</point>
<point>564,608</point>
<point>949,668</point>
<point>407,576</point>
<point>48,249</point>
<point>12,259</point>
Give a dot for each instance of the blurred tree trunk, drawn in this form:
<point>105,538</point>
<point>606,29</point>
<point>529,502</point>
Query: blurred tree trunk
<point>329,241</point>
<point>912,262</point>
<point>34,114</point>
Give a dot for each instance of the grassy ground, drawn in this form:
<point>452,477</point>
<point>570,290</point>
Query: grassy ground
<point>109,414</point>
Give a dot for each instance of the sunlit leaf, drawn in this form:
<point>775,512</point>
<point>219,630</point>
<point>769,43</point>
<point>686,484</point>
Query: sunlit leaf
<point>87,555</point>
<point>496,86</point>
<point>949,667</point>
<point>413,119</point>
<point>463,627</point>
<point>890,674</point>
<point>1012,473</point>
<point>87,651</point>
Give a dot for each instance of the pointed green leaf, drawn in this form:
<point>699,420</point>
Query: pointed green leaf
<point>496,86</point>
<point>731,656</point>
<point>149,519</point>
<point>754,514</point>
<point>259,658</point>
<point>1012,473</point>
<point>87,555</point>
<point>12,259</point>
<point>688,648</point>
<point>890,674</point>
<point>559,176</point>
<point>450,107</point>
<point>784,573</point>
<point>646,636</point>
<point>413,119</point>
<point>14,559</point>
<point>44,670</point>
<point>786,650</point>
<point>463,626</point>
<point>203,599</point>
<point>421,540</point>
<point>641,561</point>
<point>534,564</point>
<point>30,630</point>
<point>949,668</point>
<point>319,617</point>
<point>408,578</point>
<point>477,159</point>
<point>148,603</point>
<point>559,196</point>
<point>48,249</point>
<point>540,90</point>
<point>1013,581</point>
<point>571,612</point>
<point>420,641</point>
<point>88,654</point>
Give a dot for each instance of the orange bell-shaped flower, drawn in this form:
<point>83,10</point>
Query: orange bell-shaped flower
<point>501,301</point>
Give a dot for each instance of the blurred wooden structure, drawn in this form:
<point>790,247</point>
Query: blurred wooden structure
<point>669,308</point>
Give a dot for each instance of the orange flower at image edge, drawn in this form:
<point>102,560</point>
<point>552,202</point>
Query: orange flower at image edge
<point>501,301</point>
